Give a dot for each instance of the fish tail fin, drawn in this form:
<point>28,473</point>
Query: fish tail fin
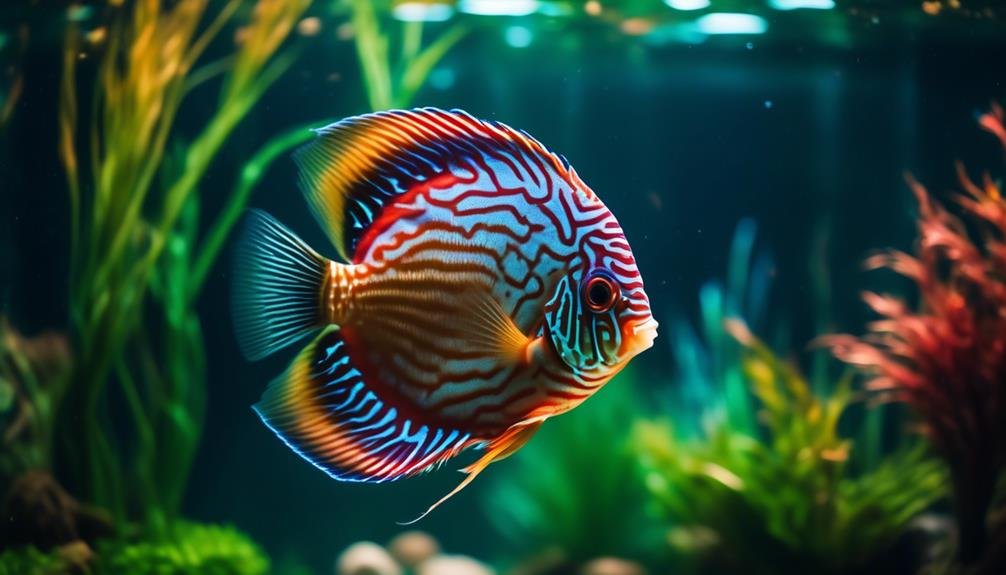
<point>277,287</point>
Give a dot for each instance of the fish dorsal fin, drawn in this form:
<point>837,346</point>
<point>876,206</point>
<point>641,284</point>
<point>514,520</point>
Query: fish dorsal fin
<point>357,166</point>
<point>331,415</point>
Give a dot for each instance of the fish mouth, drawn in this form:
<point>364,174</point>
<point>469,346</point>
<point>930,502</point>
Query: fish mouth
<point>644,333</point>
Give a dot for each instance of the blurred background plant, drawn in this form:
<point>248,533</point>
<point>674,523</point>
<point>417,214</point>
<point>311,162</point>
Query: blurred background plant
<point>12,46</point>
<point>782,500</point>
<point>395,63</point>
<point>946,357</point>
<point>573,494</point>
<point>393,59</point>
<point>134,374</point>
<point>708,380</point>
<point>33,377</point>
<point>186,548</point>
<point>134,235</point>
<point>747,467</point>
<point>31,561</point>
<point>746,472</point>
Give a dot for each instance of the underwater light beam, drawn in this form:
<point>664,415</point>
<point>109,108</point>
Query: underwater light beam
<point>731,23</point>
<point>498,7</point>
<point>685,5</point>
<point>798,4</point>
<point>554,9</point>
<point>422,12</point>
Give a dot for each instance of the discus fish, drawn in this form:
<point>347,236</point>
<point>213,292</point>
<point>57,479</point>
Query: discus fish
<point>486,289</point>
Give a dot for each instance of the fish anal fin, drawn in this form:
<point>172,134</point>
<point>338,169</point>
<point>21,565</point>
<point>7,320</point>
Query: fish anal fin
<point>331,415</point>
<point>499,448</point>
<point>505,445</point>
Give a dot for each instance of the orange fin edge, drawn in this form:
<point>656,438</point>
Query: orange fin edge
<point>500,448</point>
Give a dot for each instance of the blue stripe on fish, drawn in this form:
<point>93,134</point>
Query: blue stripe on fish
<point>321,408</point>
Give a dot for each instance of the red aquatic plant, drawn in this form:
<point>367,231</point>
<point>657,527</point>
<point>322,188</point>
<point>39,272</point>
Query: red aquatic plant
<point>946,357</point>
<point>992,122</point>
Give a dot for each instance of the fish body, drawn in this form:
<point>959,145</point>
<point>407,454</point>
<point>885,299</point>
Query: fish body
<point>485,289</point>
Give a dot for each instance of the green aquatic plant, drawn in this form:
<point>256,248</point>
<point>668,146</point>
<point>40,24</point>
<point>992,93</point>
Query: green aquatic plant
<point>184,548</point>
<point>134,223</point>
<point>139,259</point>
<point>392,81</point>
<point>33,377</point>
<point>707,359</point>
<point>389,83</point>
<point>785,499</point>
<point>181,548</point>
<point>717,421</point>
<point>946,357</point>
<point>31,561</point>
<point>12,47</point>
<point>573,492</point>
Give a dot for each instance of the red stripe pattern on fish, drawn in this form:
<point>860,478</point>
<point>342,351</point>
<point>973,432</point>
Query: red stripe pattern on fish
<point>486,288</point>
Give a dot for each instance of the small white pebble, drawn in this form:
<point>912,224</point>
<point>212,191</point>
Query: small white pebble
<point>366,558</point>
<point>413,547</point>
<point>453,565</point>
<point>612,566</point>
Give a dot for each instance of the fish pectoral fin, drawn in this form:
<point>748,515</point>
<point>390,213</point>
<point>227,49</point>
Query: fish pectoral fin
<point>500,448</point>
<point>488,328</point>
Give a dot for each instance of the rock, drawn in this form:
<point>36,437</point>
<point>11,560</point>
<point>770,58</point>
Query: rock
<point>411,548</point>
<point>612,566</point>
<point>366,558</point>
<point>453,565</point>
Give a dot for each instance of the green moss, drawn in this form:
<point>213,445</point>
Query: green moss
<point>186,548</point>
<point>189,548</point>
<point>30,561</point>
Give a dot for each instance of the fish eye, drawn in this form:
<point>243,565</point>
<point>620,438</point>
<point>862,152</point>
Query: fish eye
<point>600,292</point>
